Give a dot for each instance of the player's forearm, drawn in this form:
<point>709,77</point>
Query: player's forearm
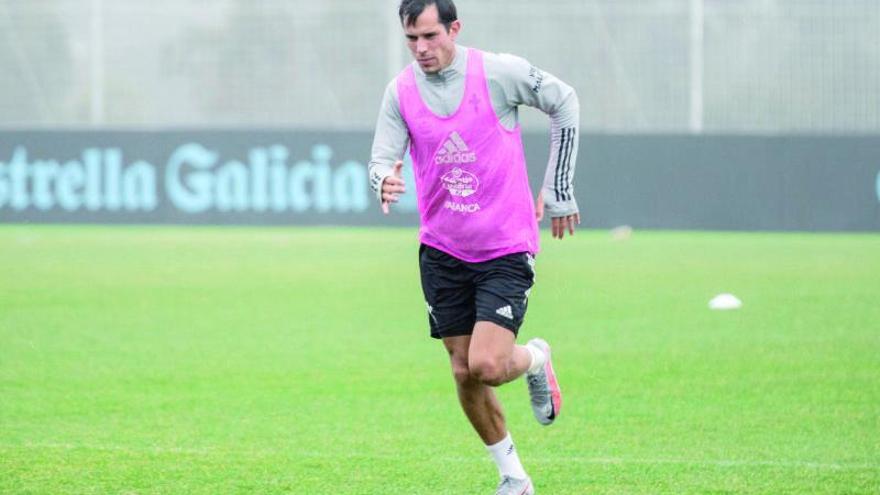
<point>387,149</point>
<point>378,173</point>
<point>389,142</point>
<point>558,187</point>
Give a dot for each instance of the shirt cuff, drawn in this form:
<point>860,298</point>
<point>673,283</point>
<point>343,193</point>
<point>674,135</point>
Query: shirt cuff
<point>377,177</point>
<point>556,209</point>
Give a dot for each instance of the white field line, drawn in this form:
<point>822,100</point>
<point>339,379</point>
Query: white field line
<point>834,466</point>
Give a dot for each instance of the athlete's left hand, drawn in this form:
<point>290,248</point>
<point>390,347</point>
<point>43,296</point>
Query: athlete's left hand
<point>559,224</point>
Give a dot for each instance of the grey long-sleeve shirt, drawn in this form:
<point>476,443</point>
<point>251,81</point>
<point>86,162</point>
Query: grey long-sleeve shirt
<point>512,82</point>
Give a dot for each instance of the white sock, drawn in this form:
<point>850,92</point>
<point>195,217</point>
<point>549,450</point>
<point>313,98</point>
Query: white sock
<point>538,358</point>
<point>507,459</point>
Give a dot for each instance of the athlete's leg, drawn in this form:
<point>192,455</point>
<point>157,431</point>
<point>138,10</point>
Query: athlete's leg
<point>482,408</point>
<point>486,359</point>
<point>494,358</point>
<point>477,399</point>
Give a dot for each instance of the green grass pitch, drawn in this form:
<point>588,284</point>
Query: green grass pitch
<point>143,360</point>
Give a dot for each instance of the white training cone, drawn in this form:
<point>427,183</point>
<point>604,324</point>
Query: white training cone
<point>621,233</point>
<point>725,301</point>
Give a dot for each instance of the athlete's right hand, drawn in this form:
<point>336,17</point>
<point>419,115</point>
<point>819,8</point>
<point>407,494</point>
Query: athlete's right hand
<point>392,187</point>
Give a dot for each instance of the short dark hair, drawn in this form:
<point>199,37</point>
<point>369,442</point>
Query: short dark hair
<point>410,10</point>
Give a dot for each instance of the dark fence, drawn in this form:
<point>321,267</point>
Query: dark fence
<point>811,183</point>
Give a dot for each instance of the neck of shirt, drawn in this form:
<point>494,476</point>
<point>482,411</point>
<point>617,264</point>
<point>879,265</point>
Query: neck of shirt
<point>457,66</point>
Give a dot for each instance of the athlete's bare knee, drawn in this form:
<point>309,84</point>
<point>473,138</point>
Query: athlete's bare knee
<point>457,347</point>
<point>461,373</point>
<point>458,359</point>
<point>487,371</point>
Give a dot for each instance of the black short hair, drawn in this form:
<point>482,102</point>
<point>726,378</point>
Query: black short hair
<point>410,10</point>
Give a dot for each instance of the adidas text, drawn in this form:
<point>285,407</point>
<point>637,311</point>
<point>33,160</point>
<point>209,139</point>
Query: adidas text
<point>457,157</point>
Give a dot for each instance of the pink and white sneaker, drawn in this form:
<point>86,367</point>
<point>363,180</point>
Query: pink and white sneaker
<point>544,390</point>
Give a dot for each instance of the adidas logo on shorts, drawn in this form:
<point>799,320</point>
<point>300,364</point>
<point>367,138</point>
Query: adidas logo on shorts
<point>454,150</point>
<point>506,312</point>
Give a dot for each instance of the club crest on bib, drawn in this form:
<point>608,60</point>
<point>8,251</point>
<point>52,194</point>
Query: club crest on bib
<point>460,183</point>
<point>454,151</point>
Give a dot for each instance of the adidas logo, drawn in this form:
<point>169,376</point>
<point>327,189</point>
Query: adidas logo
<point>510,449</point>
<point>506,312</point>
<point>454,150</point>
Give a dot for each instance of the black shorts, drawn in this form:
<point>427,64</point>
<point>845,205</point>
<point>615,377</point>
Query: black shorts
<point>459,294</point>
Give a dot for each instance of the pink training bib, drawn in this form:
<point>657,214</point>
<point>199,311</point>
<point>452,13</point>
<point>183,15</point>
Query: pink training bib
<point>474,197</point>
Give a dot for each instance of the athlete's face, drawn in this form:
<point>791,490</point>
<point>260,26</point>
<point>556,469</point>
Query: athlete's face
<point>431,44</point>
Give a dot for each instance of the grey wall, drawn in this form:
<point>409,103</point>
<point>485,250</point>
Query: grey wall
<point>309,178</point>
<point>732,183</point>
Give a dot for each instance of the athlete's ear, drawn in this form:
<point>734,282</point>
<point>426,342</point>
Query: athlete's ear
<point>454,29</point>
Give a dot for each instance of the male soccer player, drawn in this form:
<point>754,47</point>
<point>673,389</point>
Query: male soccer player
<point>456,109</point>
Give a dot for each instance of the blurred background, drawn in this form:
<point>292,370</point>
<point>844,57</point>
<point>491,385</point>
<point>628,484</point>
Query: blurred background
<point>659,66</point>
<point>695,114</point>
